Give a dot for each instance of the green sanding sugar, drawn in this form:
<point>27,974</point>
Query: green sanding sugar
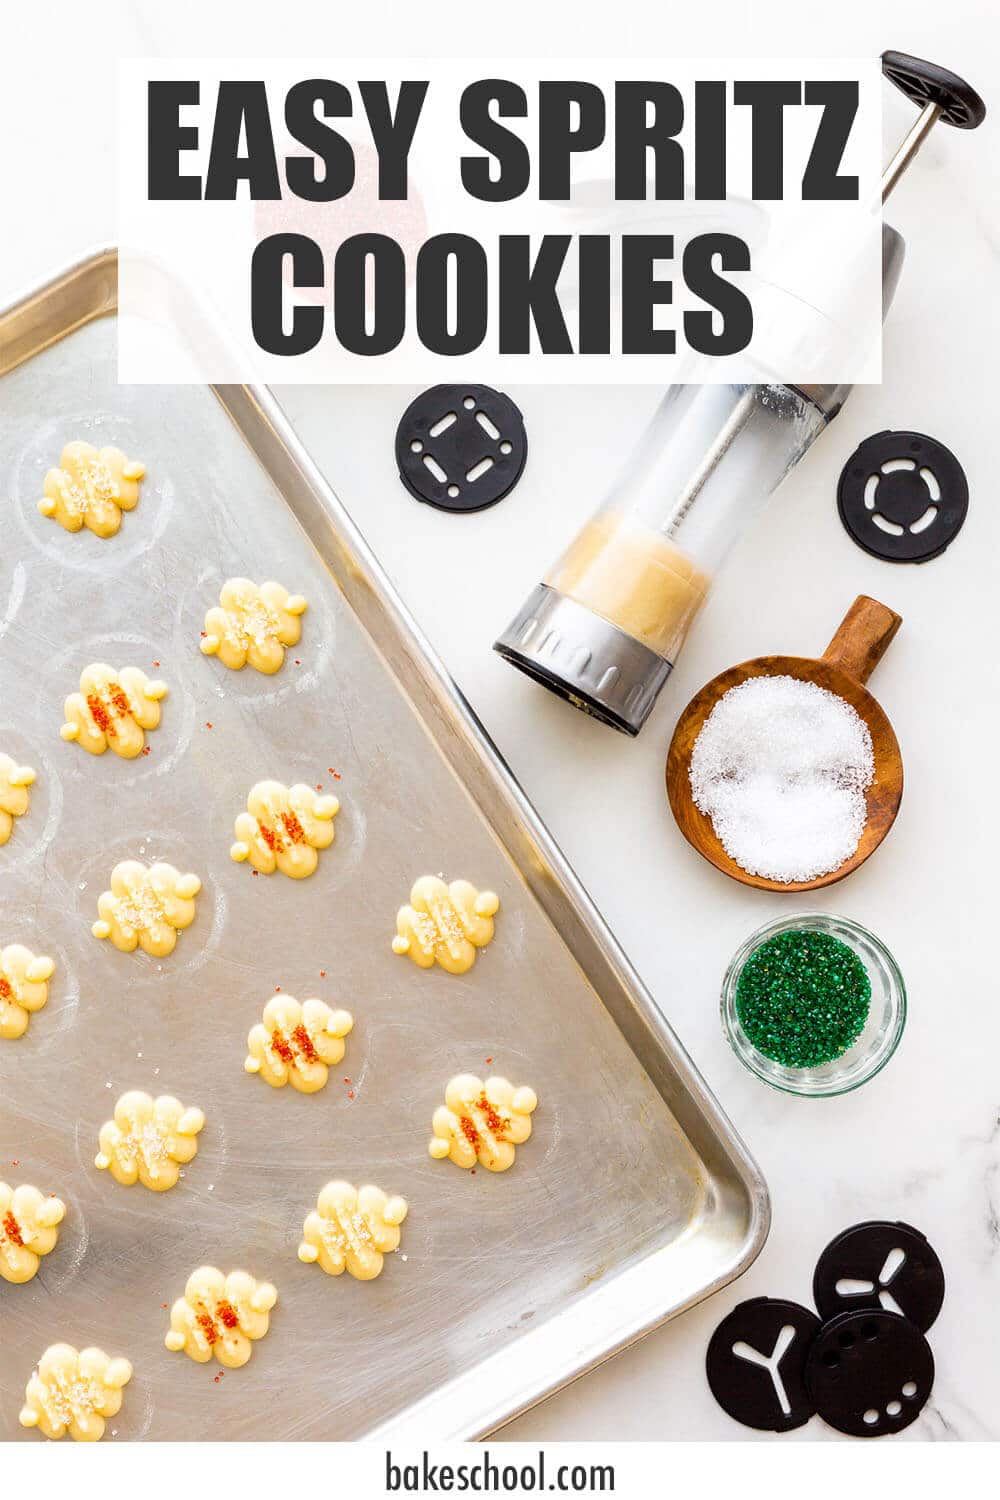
<point>802,998</point>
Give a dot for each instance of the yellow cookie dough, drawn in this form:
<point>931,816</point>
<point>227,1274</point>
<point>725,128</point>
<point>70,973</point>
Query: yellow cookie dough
<point>635,577</point>
<point>24,988</point>
<point>297,1044</point>
<point>113,708</point>
<point>91,488</point>
<point>149,1140</point>
<point>74,1392</point>
<point>445,924</point>
<point>482,1122</point>
<point>14,783</point>
<point>352,1229</point>
<point>29,1229</point>
<point>253,624</point>
<point>283,828</point>
<point>146,907</point>
<point>218,1316</point>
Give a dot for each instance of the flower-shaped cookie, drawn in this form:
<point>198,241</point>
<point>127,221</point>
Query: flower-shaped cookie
<point>113,708</point>
<point>91,488</point>
<point>219,1316</point>
<point>14,783</point>
<point>297,1044</point>
<point>283,828</point>
<point>146,907</point>
<point>24,988</point>
<point>29,1228</point>
<point>149,1140</point>
<point>253,624</point>
<point>352,1229</point>
<point>482,1122</point>
<point>74,1392</point>
<point>445,923</point>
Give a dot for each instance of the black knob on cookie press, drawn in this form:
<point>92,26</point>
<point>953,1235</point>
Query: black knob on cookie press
<point>939,94</point>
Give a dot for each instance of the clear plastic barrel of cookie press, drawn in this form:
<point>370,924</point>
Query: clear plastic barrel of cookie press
<point>701,473</point>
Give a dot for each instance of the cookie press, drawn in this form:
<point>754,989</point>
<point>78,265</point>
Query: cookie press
<point>605,626</point>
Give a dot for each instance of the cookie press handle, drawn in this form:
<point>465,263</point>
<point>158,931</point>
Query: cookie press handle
<point>939,94</point>
<point>863,637</point>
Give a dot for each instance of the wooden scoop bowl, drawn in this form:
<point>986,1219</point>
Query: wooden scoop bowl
<point>845,666</point>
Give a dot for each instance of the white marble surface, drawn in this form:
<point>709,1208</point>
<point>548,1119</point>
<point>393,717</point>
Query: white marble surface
<point>922,1142</point>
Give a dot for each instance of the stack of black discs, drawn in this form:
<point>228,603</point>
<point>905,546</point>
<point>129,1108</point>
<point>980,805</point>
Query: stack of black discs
<point>863,1364</point>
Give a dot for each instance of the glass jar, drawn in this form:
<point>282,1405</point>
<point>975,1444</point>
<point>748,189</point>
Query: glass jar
<point>879,1037</point>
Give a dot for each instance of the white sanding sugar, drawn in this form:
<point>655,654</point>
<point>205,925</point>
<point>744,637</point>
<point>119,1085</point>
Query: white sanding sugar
<point>781,768</point>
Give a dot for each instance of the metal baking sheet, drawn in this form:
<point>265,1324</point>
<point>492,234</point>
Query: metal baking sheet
<point>634,1197</point>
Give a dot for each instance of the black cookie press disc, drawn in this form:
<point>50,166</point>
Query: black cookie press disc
<point>869,1373</point>
<point>461,447</point>
<point>880,1264</point>
<point>903,496</point>
<point>743,1374</point>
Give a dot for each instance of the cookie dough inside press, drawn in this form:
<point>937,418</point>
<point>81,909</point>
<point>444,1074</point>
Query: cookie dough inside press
<point>14,783</point>
<point>29,1229</point>
<point>91,487</point>
<point>149,1140</point>
<point>253,623</point>
<point>482,1122</point>
<point>74,1391</point>
<point>634,576</point>
<point>113,709</point>
<point>297,1044</point>
<point>283,828</point>
<point>146,907</point>
<point>219,1317</point>
<point>24,988</point>
<point>445,924</point>
<point>352,1229</point>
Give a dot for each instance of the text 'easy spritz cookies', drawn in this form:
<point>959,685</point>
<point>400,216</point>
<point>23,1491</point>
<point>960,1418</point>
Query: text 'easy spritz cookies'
<point>24,988</point>
<point>146,907</point>
<point>352,1229</point>
<point>220,1317</point>
<point>29,1229</point>
<point>91,487</point>
<point>253,624</point>
<point>113,709</point>
<point>74,1391</point>
<point>445,924</point>
<point>283,828</point>
<point>297,1044</point>
<point>14,799</point>
<point>482,1122</point>
<point>149,1140</point>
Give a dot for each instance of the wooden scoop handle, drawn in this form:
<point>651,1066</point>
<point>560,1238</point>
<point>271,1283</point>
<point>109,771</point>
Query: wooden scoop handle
<point>863,637</point>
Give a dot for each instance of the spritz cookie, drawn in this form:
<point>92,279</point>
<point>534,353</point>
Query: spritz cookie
<point>29,1229</point>
<point>253,623</point>
<point>219,1317</point>
<point>445,924</point>
<point>14,783</point>
<point>113,709</point>
<point>74,1392</point>
<point>283,828</point>
<point>91,487</point>
<point>24,988</point>
<point>146,907</point>
<point>352,1229</point>
<point>482,1122</point>
<point>149,1140</point>
<point>297,1044</point>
